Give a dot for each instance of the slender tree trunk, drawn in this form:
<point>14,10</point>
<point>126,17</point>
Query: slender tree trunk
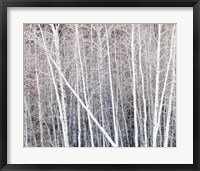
<point>143,91</point>
<point>78,104</point>
<point>165,84</point>
<point>111,89</point>
<point>170,97</point>
<point>39,104</point>
<point>63,97</point>
<point>84,86</point>
<point>156,104</point>
<point>101,78</point>
<point>65,136</point>
<point>134,87</point>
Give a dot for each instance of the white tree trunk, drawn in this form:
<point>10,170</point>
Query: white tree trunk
<point>165,82</point>
<point>134,87</point>
<point>63,122</point>
<point>84,86</point>
<point>78,104</point>
<point>39,103</point>
<point>58,58</point>
<point>111,89</point>
<point>156,104</point>
<point>100,76</point>
<point>166,138</point>
<point>143,92</point>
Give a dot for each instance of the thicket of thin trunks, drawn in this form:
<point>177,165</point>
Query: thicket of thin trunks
<point>99,85</point>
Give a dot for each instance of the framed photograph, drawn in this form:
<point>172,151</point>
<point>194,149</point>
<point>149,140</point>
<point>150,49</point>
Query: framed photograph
<point>99,85</point>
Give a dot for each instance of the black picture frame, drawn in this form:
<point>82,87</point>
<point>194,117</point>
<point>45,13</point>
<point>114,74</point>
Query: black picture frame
<point>4,4</point>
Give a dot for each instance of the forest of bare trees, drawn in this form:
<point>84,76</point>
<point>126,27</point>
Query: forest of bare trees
<point>99,85</point>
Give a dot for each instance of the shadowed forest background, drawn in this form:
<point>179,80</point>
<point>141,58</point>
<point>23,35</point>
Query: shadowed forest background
<point>99,85</point>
